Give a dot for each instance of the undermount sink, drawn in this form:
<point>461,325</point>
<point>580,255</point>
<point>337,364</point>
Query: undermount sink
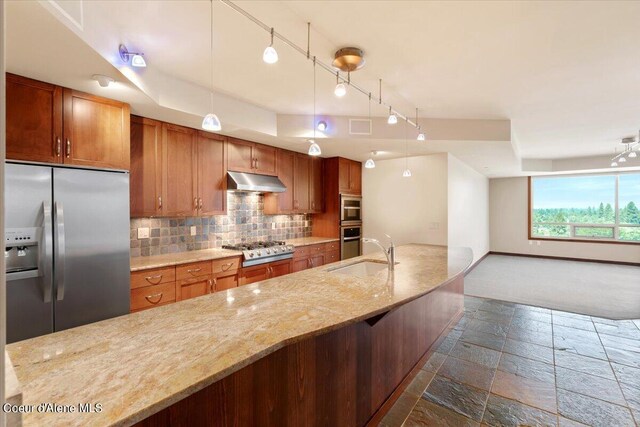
<point>361,268</point>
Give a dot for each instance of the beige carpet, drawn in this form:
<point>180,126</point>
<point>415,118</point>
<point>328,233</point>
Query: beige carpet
<point>595,289</point>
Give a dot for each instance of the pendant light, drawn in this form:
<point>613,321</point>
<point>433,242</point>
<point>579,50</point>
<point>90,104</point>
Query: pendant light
<point>370,164</point>
<point>407,171</point>
<point>314,148</point>
<point>211,122</point>
<point>393,119</point>
<point>341,89</point>
<point>421,135</point>
<point>614,164</point>
<point>270,56</point>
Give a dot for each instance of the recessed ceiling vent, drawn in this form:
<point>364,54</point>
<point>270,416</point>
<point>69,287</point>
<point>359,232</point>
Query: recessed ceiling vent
<point>359,127</point>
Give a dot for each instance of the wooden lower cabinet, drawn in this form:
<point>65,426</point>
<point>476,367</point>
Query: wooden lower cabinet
<point>300,264</point>
<point>311,256</point>
<point>196,287</point>
<point>279,268</point>
<point>153,296</point>
<point>225,282</point>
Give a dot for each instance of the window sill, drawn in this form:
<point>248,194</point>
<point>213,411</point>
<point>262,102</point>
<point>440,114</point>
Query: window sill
<point>585,240</point>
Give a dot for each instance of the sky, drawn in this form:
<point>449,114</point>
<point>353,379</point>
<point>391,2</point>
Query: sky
<point>584,191</point>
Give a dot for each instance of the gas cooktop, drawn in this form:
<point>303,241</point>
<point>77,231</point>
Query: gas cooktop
<point>262,252</point>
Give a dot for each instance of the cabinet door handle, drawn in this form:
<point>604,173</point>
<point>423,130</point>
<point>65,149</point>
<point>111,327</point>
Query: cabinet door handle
<point>149,298</point>
<point>194,270</point>
<point>227,266</point>
<point>58,146</point>
<point>256,163</point>
<point>195,203</point>
<point>68,148</point>
<point>160,202</point>
<point>200,203</point>
<point>211,283</point>
<point>151,278</point>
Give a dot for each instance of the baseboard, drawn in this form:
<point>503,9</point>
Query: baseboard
<point>601,261</point>
<point>472,266</point>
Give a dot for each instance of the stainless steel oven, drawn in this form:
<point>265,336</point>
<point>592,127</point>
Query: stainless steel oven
<point>350,210</point>
<point>350,241</point>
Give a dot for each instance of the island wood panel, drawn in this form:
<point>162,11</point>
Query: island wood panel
<point>339,378</point>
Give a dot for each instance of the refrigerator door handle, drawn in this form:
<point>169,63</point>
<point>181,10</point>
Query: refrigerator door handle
<point>59,253</point>
<point>47,251</point>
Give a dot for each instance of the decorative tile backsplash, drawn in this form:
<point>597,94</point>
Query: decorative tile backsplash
<point>245,222</point>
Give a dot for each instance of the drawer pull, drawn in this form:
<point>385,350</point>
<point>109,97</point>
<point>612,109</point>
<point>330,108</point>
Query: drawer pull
<point>227,266</point>
<point>149,298</point>
<point>194,270</point>
<point>211,284</point>
<point>151,278</point>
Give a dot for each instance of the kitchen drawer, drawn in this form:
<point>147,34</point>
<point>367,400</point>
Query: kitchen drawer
<point>332,246</point>
<point>152,296</point>
<point>332,256</point>
<point>301,252</point>
<point>154,276</point>
<point>194,269</point>
<point>225,266</point>
<point>316,249</point>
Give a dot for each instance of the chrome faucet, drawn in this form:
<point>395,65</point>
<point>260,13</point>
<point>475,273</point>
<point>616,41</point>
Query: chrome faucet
<point>389,253</point>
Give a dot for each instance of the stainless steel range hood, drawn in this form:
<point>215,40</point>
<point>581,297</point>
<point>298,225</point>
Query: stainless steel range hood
<point>242,181</point>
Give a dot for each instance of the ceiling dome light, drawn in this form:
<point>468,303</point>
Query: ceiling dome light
<point>322,126</point>
<point>103,81</point>
<point>270,56</point>
<point>211,122</point>
<point>314,148</point>
<point>406,173</point>
<point>622,160</point>
<point>614,164</point>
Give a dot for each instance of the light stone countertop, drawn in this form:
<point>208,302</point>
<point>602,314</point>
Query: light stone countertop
<point>138,364</point>
<point>167,260</point>
<point>12,391</point>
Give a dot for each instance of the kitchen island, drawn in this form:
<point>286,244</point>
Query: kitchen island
<point>314,347</point>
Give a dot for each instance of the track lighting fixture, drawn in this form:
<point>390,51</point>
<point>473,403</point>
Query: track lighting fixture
<point>137,59</point>
<point>341,89</point>
<point>622,159</point>
<point>629,143</point>
<point>406,173</point>
<point>614,164</point>
<point>393,119</point>
<point>370,164</point>
<point>211,122</point>
<point>270,56</point>
<point>633,155</point>
<point>314,148</point>
<point>322,126</point>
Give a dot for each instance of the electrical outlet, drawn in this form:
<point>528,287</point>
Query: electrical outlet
<point>193,230</point>
<point>143,233</point>
<point>273,225</point>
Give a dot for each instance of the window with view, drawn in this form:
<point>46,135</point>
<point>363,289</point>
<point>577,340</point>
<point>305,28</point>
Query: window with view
<point>593,207</point>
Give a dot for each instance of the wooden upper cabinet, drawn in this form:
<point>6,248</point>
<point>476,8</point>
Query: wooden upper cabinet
<point>240,155</point>
<point>179,168</point>
<point>315,185</point>
<point>146,167</point>
<point>265,159</point>
<point>246,156</point>
<point>301,174</point>
<point>34,120</point>
<point>279,203</point>
<point>96,131</point>
<point>212,174</point>
<point>349,176</point>
<point>355,177</point>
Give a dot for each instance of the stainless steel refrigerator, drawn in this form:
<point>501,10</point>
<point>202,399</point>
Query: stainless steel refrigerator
<point>66,247</point>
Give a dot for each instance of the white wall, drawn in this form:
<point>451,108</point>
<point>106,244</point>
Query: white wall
<point>468,208</point>
<point>509,222</point>
<point>410,210</point>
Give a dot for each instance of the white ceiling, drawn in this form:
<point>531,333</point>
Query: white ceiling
<point>564,73</point>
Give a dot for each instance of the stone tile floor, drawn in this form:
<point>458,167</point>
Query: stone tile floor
<point>507,364</point>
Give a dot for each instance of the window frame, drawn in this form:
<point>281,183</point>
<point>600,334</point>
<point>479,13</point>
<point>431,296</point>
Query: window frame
<point>572,238</point>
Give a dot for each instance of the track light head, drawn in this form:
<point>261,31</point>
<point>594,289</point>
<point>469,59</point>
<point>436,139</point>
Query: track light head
<point>270,56</point>
<point>314,148</point>
<point>211,123</point>
<point>393,119</point>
